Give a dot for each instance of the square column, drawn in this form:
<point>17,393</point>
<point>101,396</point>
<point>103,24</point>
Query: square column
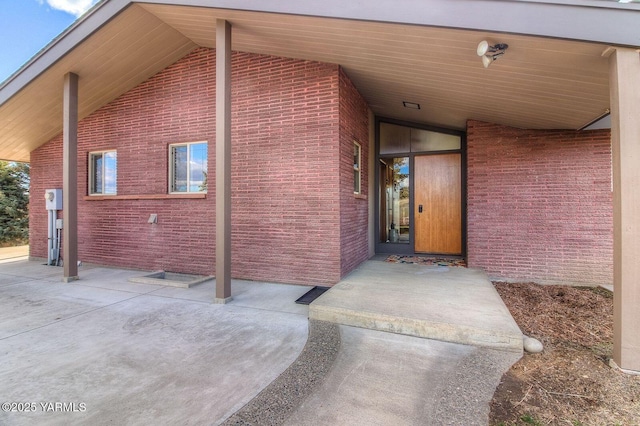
<point>624,83</point>
<point>70,177</point>
<point>223,161</point>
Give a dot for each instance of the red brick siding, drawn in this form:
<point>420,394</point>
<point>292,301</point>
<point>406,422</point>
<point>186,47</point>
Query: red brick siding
<point>354,127</point>
<point>285,202</point>
<point>45,173</point>
<point>285,175</point>
<point>540,204</point>
<point>176,105</point>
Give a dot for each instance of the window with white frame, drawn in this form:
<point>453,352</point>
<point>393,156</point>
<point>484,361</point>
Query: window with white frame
<point>357,173</point>
<point>188,167</point>
<point>103,171</point>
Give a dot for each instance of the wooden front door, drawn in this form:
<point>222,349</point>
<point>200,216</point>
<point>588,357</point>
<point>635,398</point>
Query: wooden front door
<point>438,204</point>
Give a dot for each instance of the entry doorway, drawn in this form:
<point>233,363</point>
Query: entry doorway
<point>420,194</point>
<point>438,209</point>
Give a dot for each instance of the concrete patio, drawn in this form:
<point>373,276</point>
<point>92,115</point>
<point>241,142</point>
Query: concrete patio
<point>136,353</point>
<point>139,354</point>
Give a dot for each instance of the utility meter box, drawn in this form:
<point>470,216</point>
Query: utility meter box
<point>53,198</point>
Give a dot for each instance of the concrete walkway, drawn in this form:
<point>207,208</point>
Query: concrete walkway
<point>385,379</point>
<point>117,352</point>
<point>122,353</point>
<point>451,304</point>
<point>452,338</point>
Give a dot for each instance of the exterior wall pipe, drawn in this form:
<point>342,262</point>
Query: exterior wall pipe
<point>50,222</point>
<point>53,238</point>
<point>55,243</point>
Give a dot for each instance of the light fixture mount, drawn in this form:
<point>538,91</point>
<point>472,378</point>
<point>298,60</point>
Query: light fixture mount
<point>490,53</point>
<point>411,105</point>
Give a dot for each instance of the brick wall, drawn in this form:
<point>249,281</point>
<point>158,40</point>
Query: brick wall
<point>285,190</point>
<point>285,198</point>
<point>540,204</point>
<point>176,105</point>
<point>354,127</point>
<point>45,173</point>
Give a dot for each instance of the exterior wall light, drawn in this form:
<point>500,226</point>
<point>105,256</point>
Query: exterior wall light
<point>490,53</point>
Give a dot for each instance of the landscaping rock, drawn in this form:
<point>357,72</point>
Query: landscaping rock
<point>531,345</point>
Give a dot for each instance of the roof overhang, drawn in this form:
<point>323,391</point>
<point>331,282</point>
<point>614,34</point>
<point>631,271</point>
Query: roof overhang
<point>552,76</point>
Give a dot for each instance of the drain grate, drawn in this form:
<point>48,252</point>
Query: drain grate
<point>312,295</point>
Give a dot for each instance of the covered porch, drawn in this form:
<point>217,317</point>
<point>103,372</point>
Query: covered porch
<point>558,72</point>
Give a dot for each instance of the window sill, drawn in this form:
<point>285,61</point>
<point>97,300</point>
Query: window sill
<point>360,196</point>
<point>142,197</point>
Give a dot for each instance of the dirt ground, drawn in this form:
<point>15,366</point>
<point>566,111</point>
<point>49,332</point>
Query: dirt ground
<point>570,382</point>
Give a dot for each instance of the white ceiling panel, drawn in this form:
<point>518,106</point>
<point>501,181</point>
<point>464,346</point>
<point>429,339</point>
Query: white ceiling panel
<point>538,83</point>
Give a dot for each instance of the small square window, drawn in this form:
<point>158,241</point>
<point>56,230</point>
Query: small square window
<point>357,172</point>
<point>103,171</point>
<point>188,167</point>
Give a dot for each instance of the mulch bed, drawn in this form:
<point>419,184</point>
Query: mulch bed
<point>570,382</point>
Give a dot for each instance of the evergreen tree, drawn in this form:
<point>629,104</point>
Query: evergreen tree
<point>14,203</point>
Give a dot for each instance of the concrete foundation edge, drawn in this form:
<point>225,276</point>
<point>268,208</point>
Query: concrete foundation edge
<point>417,328</point>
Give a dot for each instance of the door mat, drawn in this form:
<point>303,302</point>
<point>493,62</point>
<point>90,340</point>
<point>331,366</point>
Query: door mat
<point>427,260</point>
<point>311,295</point>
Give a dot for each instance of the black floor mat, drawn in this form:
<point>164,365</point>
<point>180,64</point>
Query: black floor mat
<point>312,295</point>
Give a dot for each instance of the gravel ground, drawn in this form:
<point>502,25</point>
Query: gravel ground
<point>279,400</point>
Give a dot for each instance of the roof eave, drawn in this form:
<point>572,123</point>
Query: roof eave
<point>600,21</point>
<point>569,19</point>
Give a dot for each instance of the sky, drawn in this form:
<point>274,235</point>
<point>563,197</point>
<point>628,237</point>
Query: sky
<point>26,26</point>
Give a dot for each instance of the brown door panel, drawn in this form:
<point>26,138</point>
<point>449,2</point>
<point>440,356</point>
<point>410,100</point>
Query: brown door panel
<point>438,204</point>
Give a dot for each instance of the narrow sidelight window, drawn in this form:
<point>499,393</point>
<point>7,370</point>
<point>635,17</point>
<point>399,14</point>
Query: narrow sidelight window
<point>188,167</point>
<point>357,169</point>
<point>103,171</point>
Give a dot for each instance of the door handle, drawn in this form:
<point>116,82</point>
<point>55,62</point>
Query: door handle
<point>420,208</point>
